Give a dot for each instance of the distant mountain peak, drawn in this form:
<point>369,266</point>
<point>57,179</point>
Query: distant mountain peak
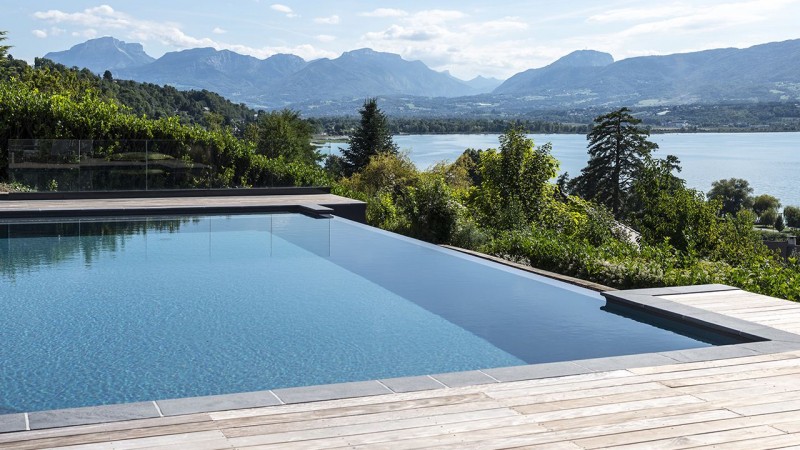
<point>100,54</point>
<point>584,58</point>
<point>368,53</point>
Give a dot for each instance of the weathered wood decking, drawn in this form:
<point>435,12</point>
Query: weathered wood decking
<point>748,402</point>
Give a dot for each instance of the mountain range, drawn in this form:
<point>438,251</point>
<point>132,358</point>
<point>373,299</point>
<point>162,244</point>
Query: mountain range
<point>584,78</point>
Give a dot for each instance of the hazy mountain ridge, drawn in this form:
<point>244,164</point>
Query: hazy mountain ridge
<point>767,72</point>
<point>763,73</point>
<point>278,80</point>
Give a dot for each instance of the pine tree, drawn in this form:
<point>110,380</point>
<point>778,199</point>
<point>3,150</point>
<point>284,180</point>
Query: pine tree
<point>370,138</point>
<point>617,149</point>
<point>3,48</point>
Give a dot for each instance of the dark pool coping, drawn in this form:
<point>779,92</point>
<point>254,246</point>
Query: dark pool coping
<point>310,209</point>
<point>354,210</point>
<point>162,193</point>
<point>766,340</point>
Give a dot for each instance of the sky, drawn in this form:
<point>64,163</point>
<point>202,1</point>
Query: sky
<point>495,38</point>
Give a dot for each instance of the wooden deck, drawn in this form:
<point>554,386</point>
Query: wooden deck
<point>748,402</point>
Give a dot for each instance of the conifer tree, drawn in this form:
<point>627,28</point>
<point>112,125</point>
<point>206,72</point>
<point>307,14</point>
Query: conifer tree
<point>3,48</point>
<point>370,138</point>
<point>617,150</point>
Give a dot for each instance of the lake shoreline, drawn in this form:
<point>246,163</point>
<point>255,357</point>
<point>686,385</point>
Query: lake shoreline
<point>768,161</point>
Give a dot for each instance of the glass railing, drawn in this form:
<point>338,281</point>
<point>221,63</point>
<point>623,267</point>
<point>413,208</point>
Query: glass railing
<point>80,165</point>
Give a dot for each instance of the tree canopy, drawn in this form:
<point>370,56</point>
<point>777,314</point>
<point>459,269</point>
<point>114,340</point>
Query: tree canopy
<point>734,194</point>
<point>285,134</point>
<point>617,148</point>
<point>371,137</point>
<point>766,208</point>
<point>792,216</point>
<point>514,181</point>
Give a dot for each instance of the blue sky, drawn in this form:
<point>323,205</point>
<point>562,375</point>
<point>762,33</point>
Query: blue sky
<point>467,37</point>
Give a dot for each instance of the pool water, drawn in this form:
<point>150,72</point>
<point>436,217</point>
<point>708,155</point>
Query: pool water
<point>102,311</point>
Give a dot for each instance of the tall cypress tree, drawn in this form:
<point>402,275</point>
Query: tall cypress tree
<point>370,138</point>
<point>617,149</point>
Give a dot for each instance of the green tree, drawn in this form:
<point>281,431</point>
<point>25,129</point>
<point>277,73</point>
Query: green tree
<point>779,225</point>
<point>514,181</point>
<point>617,148</point>
<point>792,216</point>
<point>284,134</point>
<point>431,209</point>
<point>370,138</point>
<point>733,193</point>
<point>3,48</point>
<point>766,208</point>
<point>668,211</point>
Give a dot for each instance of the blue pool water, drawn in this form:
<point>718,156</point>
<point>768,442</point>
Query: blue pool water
<point>108,311</point>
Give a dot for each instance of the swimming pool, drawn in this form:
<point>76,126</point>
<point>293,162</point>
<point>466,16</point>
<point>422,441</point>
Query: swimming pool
<point>112,310</point>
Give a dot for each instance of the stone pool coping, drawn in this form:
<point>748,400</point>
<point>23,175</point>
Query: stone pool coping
<point>767,340</point>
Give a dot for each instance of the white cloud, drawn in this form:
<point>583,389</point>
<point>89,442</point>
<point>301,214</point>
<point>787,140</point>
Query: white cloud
<point>452,40</point>
<point>89,33</point>
<point>283,9</point>
<point>397,32</point>
<point>325,38</point>
<point>39,33</point>
<point>503,26</point>
<point>332,20</point>
<point>384,12</point>
<point>107,19</point>
<point>638,14</point>
<point>218,30</point>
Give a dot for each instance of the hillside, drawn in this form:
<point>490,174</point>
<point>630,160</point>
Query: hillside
<point>155,101</point>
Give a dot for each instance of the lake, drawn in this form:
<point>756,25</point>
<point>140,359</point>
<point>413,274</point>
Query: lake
<point>769,161</point>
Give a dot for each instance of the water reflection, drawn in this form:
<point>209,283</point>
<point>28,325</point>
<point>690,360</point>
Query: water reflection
<point>25,246</point>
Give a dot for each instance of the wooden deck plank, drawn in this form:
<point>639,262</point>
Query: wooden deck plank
<point>390,437</point>
<point>772,442</point>
<point>683,367</point>
<point>666,430</point>
<point>547,398</point>
<point>466,409</point>
<point>736,385</point>
<point>609,408</point>
<point>695,440</point>
<point>689,410</point>
<point>595,430</point>
<point>732,376</point>
<point>405,426</point>
<point>790,387</point>
<point>470,402</point>
<point>626,398</point>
